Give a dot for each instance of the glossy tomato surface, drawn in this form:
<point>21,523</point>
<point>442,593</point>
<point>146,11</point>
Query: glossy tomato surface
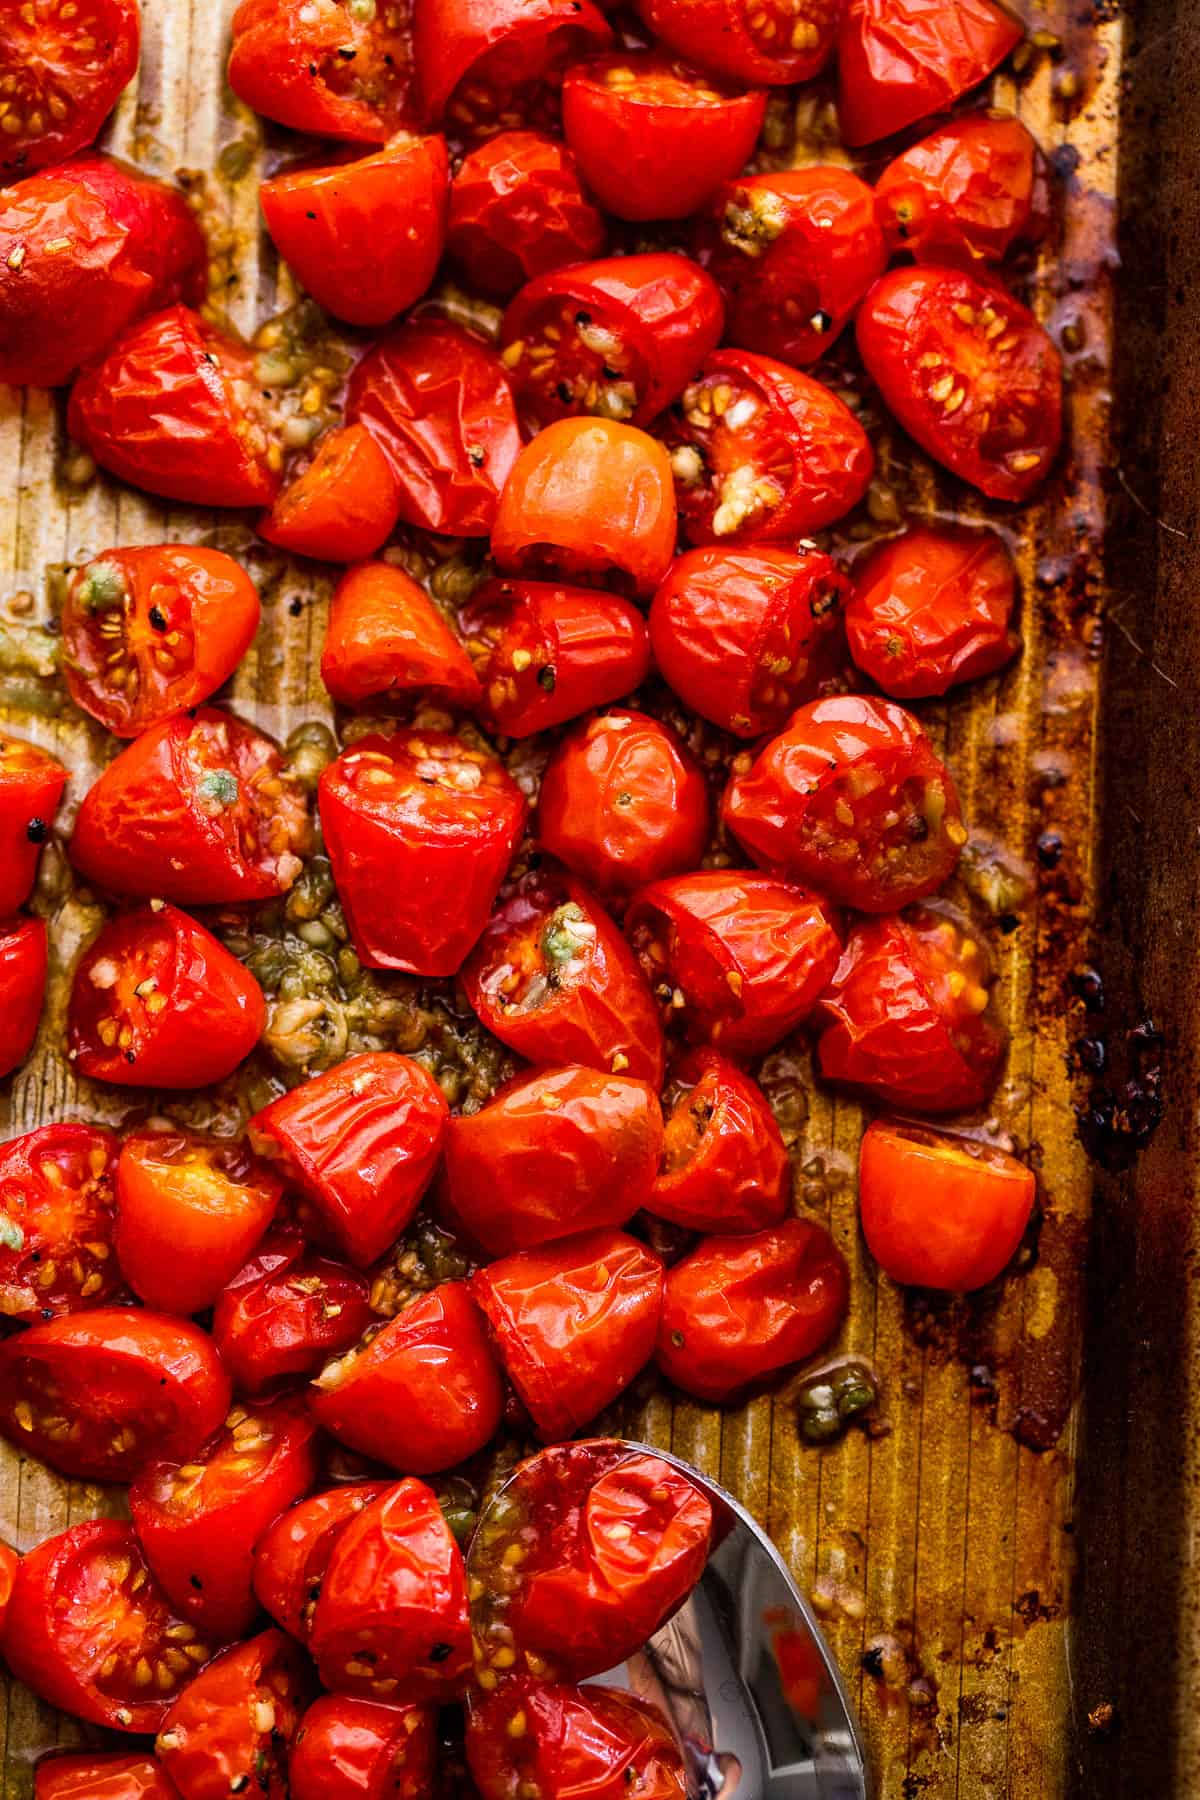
<point>773,44</point>
<point>488,65</point>
<point>967,193</point>
<point>57,1204</point>
<point>331,67</point>
<point>292,1555</point>
<point>932,608</point>
<point>342,505</point>
<point>900,60</point>
<point>385,637</point>
<point>348,1749</point>
<point>9,1561</point>
<point>595,1741</point>
<point>284,1311</point>
<point>23,964</point>
<point>102,1776</point>
<point>724,1167</point>
<point>61,77</point>
<point>518,209</point>
<point>31,785</point>
<point>230,1731</point>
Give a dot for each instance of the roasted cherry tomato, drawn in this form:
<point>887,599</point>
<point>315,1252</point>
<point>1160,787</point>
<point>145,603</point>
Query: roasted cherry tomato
<point>619,339</point>
<point>556,1152</point>
<point>31,785</point>
<point>61,77</point>
<point>438,402</point>
<point>342,506</point>
<point>292,1555</point>
<point>111,1776</point>
<point>285,1311</point>
<point>774,42</point>
<point>612,1543</point>
<point>969,373</point>
<point>931,608</point>
<point>23,963</point>
<point>360,1141</point>
<point>57,1221</point>
<point>231,1730</point>
<point>172,408</point>
<point>548,1738</point>
<point>724,1166</point>
<point>391,1621</point>
<point>553,978</point>
<point>423,1393</point>
<point>759,450</point>
<point>348,1749</point>
<point>736,960</point>
<point>337,68</point>
<point>420,828</point>
<point>98,1394</point>
<point>623,802</point>
<point>545,654</point>
<point>793,253</point>
<point>158,1001</point>
<point>9,1562</point>
<point>85,249</point>
<point>852,798</point>
<point>364,238</point>
<point>589,500</point>
<point>900,60</point>
<point>491,64</point>
<point>574,1322</point>
<point>198,809</point>
<point>906,1014</point>
<point>386,637</point>
<point>190,1209</point>
<point>745,636</point>
<point>518,209</point>
<point>967,193</point>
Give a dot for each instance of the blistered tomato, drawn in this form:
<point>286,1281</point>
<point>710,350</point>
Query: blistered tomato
<point>31,785</point>
<point>900,60</point>
<point>57,1198</point>
<point>337,68</point>
<point>931,608</point>
<point>724,1166</point>
<point>23,965</point>
<point>284,1311</point>
<point>967,193</point>
<point>348,1749</point>
<point>488,65</point>
<point>386,637</point>
<point>292,1555</point>
<point>342,505</point>
<point>104,1776</point>
<point>234,1723</point>
<point>776,43</point>
<point>61,77</point>
<point>597,1741</point>
<point>518,209</point>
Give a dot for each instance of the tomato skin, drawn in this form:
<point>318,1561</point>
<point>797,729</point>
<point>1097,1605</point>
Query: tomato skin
<point>518,209</point>
<point>452,37</point>
<point>343,506</point>
<point>284,1311</point>
<point>347,1749</point>
<point>597,1742</point>
<point>65,1219</point>
<point>216,1741</point>
<point>84,81</point>
<point>287,64</point>
<point>737,1310</point>
<point>292,1555</point>
<point>23,963</point>
<point>967,193</point>
<point>574,1322</point>
<point>92,1777</point>
<point>31,785</point>
<point>717,34</point>
<point>725,1168</point>
<point>900,60</point>
<point>385,636</point>
<point>9,1562</point>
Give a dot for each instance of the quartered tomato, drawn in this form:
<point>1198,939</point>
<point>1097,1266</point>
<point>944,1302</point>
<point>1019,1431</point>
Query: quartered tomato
<point>490,65</point>
<point>31,785</point>
<point>173,407</point>
<point>589,500</point>
<point>98,1394</point>
<point>759,450</point>
<point>967,193</point>
<point>102,1776</point>
<point>57,1221</point>
<point>90,1630</point>
<point>348,1749</point>
<point>556,1152</point>
<point>774,42</point>
<point>853,798</point>
<point>23,964</point>
<point>900,60</point>
<point>61,76</point>
<point>420,1395</point>
<point>231,1731</point>
<point>198,809</point>
<point>84,249</point>
<point>548,1738</point>
<point>545,654</point>
<point>574,1322</point>
<point>969,373</point>
<point>385,637</point>
<point>420,828</point>
<point>337,68</point>
<point>906,1014</point>
<point>724,1166</point>
<point>342,506</point>
<point>518,209</point>
<point>292,1555</point>
<point>361,1142</point>
<point>736,960</point>
<point>285,1311</point>
<point>553,978</point>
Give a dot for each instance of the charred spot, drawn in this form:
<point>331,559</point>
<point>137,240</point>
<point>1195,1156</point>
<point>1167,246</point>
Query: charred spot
<point>36,831</point>
<point>1120,1117</point>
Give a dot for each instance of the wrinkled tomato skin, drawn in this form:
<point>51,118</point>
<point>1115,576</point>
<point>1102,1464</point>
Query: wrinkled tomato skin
<point>286,51</point>
<point>967,193</point>
<point>517,210</point>
<point>284,1311</point>
<point>292,1555</point>
<point>900,60</point>
<point>343,506</point>
<point>556,1152</point>
<point>452,37</point>
<point>348,1749</point>
<point>23,964</point>
<point>574,1322</point>
<point>31,785</point>
<point>386,637</point>
<point>215,1740</point>
<point>717,34</point>
<point>101,1777</point>
<point>85,64</point>
<point>66,1219</point>
<point>738,1310</point>
<point>725,1168</point>
<point>595,1741</point>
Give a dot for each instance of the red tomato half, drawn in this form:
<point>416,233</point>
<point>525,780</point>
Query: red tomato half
<point>967,193</point>
<point>420,830</point>
<point>337,68</point>
<point>738,1310</point>
<point>931,608</point>
<point>900,60</point>
<point>724,1166</point>
<point>231,1730</point>
<point>342,506</point>
<point>552,1739</point>
<point>774,42</point>
<point>285,1311</point>
<point>57,1217</point>
<point>386,637</point>
<point>31,785</point>
<point>349,1749</point>
<point>101,1777</point>
<point>518,209</point>
<point>292,1555</point>
<point>491,64</point>
<point>23,963</point>
<point>62,77</point>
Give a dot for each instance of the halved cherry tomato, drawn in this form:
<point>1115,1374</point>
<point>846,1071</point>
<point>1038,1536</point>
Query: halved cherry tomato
<point>437,401</point>
<point>420,829</point>
<point>292,1555</point>
<point>746,636</point>
<point>232,1728</point>
<point>574,1322</point>
<point>736,960</point>
<point>969,373</point>
<point>348,1749</point>
<point>931,608</point>
<point>87,1620</point>
<point>900,60</point>
<point>556,1152</point>
<point>589,500</point>
<point>285,1311</point>
<point>967,193</point>
<point>759,450</point>
<point>152,632</point>
<point>343,506</point>
<point>57,1221</point>
<point>906,1014</point>
<point>99,1393</point>
<point>84,249</point>
<point>553,978</point>
<point>491,64</point>
<point>172,408</point>
<point>198,809</point>
<point>423,1393</point>
<point>774,42</point>
<point>793,253</point>
<point>518,209</point>
<point>112,1776</point>
<point>62,77</point>
<point>548,1738</point>
<point>23,963</point>
<point>337,68</point>
<point>9,1561</point>
<point>738,1310</point>
<point>724,1166</point>
<point>364,237</point>
<point>190,1209</point>
<point>545,654</point>
<point>31,785</point>
<point>618,339</point>
<point>386,637</point>
<point>623,802</point>
<point>361,1142</point>
<point>852,798</point>
<point>158,1001</point>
